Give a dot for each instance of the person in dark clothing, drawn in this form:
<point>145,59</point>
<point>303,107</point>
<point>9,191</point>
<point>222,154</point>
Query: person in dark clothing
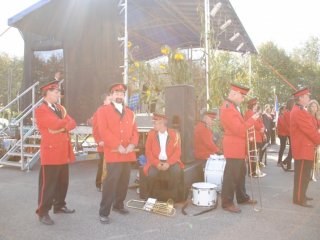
<point>283,133</point>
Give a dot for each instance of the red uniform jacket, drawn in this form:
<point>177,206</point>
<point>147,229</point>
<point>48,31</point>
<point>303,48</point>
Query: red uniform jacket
<point>258,125</point>
<point>282,130</point>
<point>286,117</point>
<point>235,131</point>
<point>316,122</point>
<point>95,131</point>
<point>173,149</point>
<point>115,129</point>
<point>55,149</point>
<point>304,134</point>
<point>203,142</point>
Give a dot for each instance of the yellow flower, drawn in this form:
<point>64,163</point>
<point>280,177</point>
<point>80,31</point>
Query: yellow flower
<point>148,93</point>
<point>162,66</point>
<point>131,69</point>
<point>134,79</point>
<point>179,56</point>
<point>136,64</point>
<point>129,44</point>
<point>165,50</point>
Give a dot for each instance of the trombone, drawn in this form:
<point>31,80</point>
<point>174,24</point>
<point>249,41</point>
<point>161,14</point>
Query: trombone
<point>252,156</point>
<point>154,206</point>
<point>316,164</point>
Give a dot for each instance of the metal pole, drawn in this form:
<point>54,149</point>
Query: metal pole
<point>33,102</point>
<point>21,145</point>
<point>207,32</point>
<point>250,72</point>
<point>126,63</point>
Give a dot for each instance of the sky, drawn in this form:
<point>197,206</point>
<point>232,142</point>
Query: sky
<point>287,23</point>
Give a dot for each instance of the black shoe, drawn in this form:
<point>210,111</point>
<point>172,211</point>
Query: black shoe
<point>232,209</point>
<point>64,210</point>
<point>290,169</point>
<point>303,204</point>
<point>284,166</point>
<point>309,198</point>
<point>104,220</point>
<point>46,219</point>
<point>249,202</point>
<point>122,211</point>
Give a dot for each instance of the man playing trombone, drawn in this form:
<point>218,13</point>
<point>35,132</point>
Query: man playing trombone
<point>304,137</point>
<point>258,136</point>
<point>234,148</point>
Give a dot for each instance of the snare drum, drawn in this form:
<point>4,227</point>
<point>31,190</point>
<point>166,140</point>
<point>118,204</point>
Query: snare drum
<point>214,169</point>
<point>204,194</point>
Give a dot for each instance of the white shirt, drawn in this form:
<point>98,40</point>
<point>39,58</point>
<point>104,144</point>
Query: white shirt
<point>51,106</point>
<point>163,145</point>
<point>118,106</point>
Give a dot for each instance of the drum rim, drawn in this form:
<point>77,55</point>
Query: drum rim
<point>213,186</point>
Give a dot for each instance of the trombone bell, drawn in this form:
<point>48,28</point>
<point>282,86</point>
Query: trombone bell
<point>154,206</point>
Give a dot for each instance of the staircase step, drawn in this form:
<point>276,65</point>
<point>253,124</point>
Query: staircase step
<point>11,163</point>
<point>34,137</point>
<point>19,154</point>
<point>31,145</point>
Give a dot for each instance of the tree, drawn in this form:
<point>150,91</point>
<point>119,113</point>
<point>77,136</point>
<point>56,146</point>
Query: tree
<point>11,74</point>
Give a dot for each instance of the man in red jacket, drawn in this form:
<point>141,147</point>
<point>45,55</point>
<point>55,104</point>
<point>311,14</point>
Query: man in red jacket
<point>304,138</point>
<point>56,153</point>
<point>163,152</point>
<point>259,133</point>
<point>118,131</point>
<point>204,145</point>
<point>97,138</point>
<point>234,148</point>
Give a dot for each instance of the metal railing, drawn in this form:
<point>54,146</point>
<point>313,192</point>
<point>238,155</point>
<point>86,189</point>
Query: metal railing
<point>19,121</point>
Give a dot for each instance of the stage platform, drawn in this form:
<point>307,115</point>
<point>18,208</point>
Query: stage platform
<point>278,220</point>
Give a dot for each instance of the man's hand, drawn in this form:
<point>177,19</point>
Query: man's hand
<point>160,166</point>
<point>121,149</point>
<point>101,144</point>
<point>256,116</point>
<point>130,148</point>
<point>56,131</point>
<point>165,166</point>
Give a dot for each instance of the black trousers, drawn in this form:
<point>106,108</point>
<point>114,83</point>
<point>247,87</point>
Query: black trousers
<point>288,159</point>
<point>115,187</point>
<point>283,142</point>
<point>302,171</point>
<point>172,178</point>
<point>234,182</point>
<point>99,170</point>
<point>53,187</point>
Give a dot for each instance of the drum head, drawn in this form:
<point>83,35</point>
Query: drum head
<point>204,185</point>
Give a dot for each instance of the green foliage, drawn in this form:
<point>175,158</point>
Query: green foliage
<point>11,74</point>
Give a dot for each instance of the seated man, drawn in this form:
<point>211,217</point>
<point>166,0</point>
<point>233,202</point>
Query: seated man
<point>163,151</point>
<point>204,145</point>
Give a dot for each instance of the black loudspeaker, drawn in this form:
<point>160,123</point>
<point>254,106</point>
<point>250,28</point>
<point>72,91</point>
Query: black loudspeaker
<point>180,110</point>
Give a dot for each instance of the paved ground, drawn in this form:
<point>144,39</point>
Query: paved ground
<point>279,219</point>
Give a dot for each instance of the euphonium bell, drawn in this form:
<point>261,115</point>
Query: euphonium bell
<point>152,205</point>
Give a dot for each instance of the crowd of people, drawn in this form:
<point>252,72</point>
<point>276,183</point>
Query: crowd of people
<point>116,134</point>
